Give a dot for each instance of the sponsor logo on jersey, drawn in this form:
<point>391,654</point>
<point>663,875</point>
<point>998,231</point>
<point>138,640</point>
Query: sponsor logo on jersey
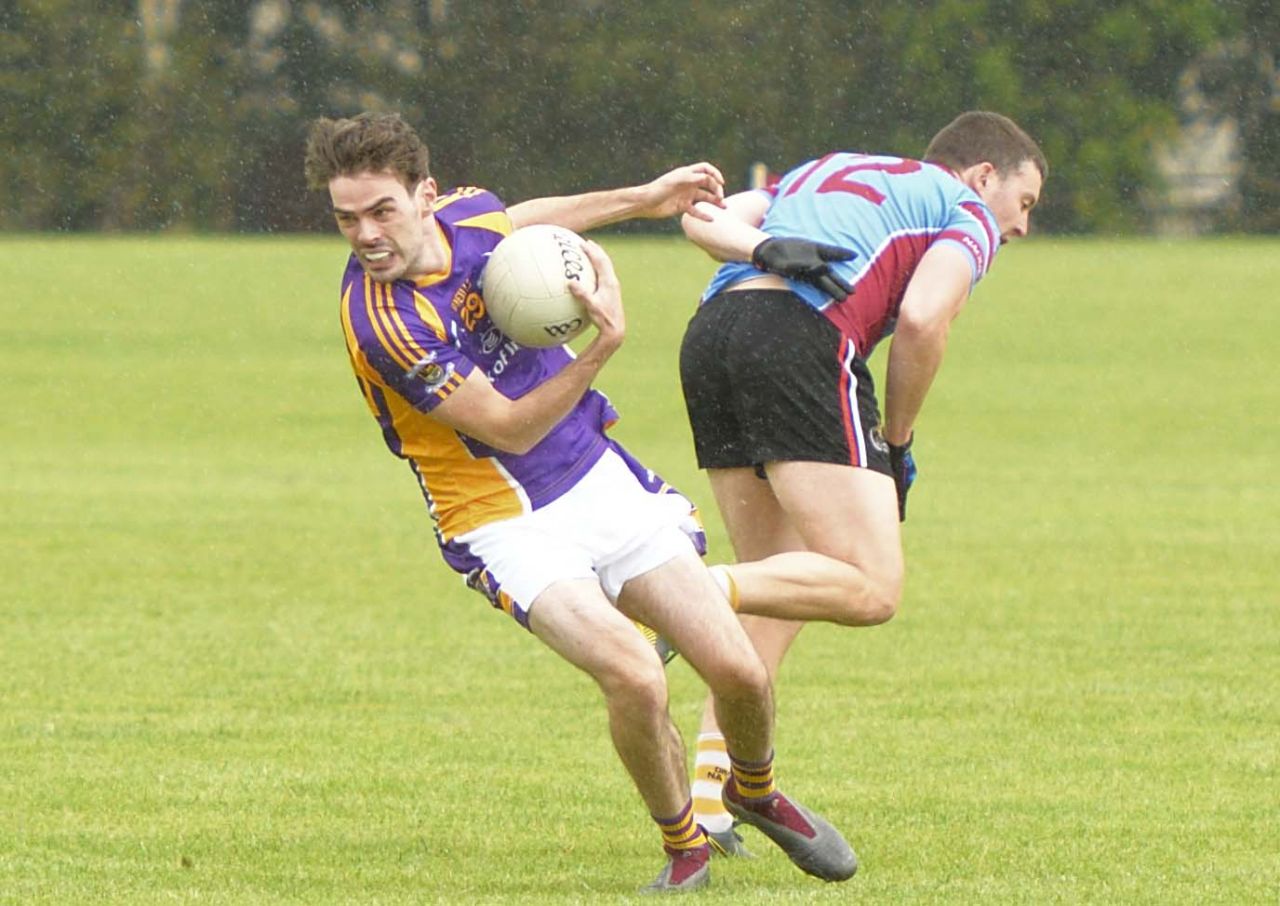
<point>490,340</point>
<point>976,250</point>
<point>509,348</point>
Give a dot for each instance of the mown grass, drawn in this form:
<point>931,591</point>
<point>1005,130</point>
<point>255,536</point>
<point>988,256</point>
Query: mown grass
<point>234,670</point>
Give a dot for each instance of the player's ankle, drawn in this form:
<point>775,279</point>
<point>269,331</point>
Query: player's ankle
<point>727,584</point>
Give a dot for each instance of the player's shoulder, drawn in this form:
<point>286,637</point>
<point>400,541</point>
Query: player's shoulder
<point>386,317</point>
<point>971,206</point>
<point>952,187</point>
<point>473,207</point>
<point>962,202</point>
<point>973,225</point>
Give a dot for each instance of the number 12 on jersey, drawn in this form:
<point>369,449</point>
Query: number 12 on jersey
<point>839,181</point>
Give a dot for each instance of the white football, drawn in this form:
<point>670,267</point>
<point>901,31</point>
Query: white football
<point>526,285</point>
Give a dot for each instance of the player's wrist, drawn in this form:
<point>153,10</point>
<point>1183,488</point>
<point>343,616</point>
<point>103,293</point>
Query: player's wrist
<point>636,202</point>
<point>759,254</point>
<point>607,341</point>
<point>898,438</point>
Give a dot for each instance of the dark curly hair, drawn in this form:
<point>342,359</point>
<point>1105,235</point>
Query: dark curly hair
<point>366,143</point>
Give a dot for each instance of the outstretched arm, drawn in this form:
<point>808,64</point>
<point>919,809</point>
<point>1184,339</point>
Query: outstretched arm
<point>731,231</point>
<point>678,191</point>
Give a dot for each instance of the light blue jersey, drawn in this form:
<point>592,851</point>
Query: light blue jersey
<point>890,210</point>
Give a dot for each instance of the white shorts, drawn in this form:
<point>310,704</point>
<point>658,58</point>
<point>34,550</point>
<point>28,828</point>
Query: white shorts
<point>609,527</point>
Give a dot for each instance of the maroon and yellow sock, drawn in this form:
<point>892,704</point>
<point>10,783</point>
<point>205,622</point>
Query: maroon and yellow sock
<point>753,779</point>
<point>681,833</point>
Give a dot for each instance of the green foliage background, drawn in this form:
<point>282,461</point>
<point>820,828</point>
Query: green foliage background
<point>532,98</point>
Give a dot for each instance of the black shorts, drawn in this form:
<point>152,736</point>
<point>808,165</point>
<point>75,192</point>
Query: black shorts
<point>767,378</point>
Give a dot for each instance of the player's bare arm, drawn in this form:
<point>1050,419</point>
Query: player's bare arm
<point>937,291</point>
<point>477,409</point>
<point>729,232</point>
<point>734,234</point>
<point>677,191</point>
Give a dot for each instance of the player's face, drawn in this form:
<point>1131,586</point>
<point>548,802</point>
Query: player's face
<point>1011,198</point>
<point>389,226</point>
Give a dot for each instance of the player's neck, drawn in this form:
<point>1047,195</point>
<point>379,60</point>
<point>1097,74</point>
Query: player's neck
<point>434,255</point>
<point>945,169</point>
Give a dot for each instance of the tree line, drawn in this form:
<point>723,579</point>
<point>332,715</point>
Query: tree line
<point>163,114</point>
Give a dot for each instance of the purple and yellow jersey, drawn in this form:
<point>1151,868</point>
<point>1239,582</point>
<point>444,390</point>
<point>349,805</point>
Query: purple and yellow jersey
<point>890,210</point>
<point>413,342</point>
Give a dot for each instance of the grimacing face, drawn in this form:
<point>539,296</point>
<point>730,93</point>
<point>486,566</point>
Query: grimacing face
<point>390,227</point>
<point>1011,197</point>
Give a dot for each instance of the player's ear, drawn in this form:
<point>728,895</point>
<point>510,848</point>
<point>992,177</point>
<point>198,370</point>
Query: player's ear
<point>426,192</point>
<point>978,175</point>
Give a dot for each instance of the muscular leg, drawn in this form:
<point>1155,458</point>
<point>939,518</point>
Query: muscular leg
<point>814,542</point>
<point>758,528</point>
<point>577,621</point>
<point>825,540</point>
<point>680,599</point>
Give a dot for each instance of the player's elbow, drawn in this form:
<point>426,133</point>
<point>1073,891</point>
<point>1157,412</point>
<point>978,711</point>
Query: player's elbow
<point>692,227</point>
<point>920,324</point>
<point>698,230</point>
<point>507,435</point>
<point>517,443</point>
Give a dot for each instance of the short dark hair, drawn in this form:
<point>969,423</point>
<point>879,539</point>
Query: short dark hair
<point>979,135</point>
<point>365,143</point>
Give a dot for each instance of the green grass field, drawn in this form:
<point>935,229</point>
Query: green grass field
<point>233,669</point>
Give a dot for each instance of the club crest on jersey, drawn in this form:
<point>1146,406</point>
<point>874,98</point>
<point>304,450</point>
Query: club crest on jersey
<point>430,372</point>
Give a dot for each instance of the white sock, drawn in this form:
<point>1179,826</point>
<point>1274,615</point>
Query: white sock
<point>710,771</point>
<point>728,587</point>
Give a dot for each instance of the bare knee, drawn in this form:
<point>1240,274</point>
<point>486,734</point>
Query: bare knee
<point>875,601</point>
<point>882,607</point>
<point>742,678</point>
<point>633,681</point>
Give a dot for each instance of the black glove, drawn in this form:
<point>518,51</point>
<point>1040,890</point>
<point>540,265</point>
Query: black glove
<point>801,259</point>
<point>903,465</point>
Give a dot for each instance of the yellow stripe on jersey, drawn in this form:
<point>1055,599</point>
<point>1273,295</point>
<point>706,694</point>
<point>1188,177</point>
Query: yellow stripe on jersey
<point>402,358</point>
<point>453,382</point>
<point>427,312</point>
<point>456,195</point>
<point>348,332</point>
<point>397,328</point>
<point>495,222</point>
<point>395,325</point>
<point>359,364</point>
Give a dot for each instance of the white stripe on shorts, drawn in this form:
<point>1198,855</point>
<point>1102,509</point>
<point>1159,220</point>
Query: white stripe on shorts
<point>858,436</point>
